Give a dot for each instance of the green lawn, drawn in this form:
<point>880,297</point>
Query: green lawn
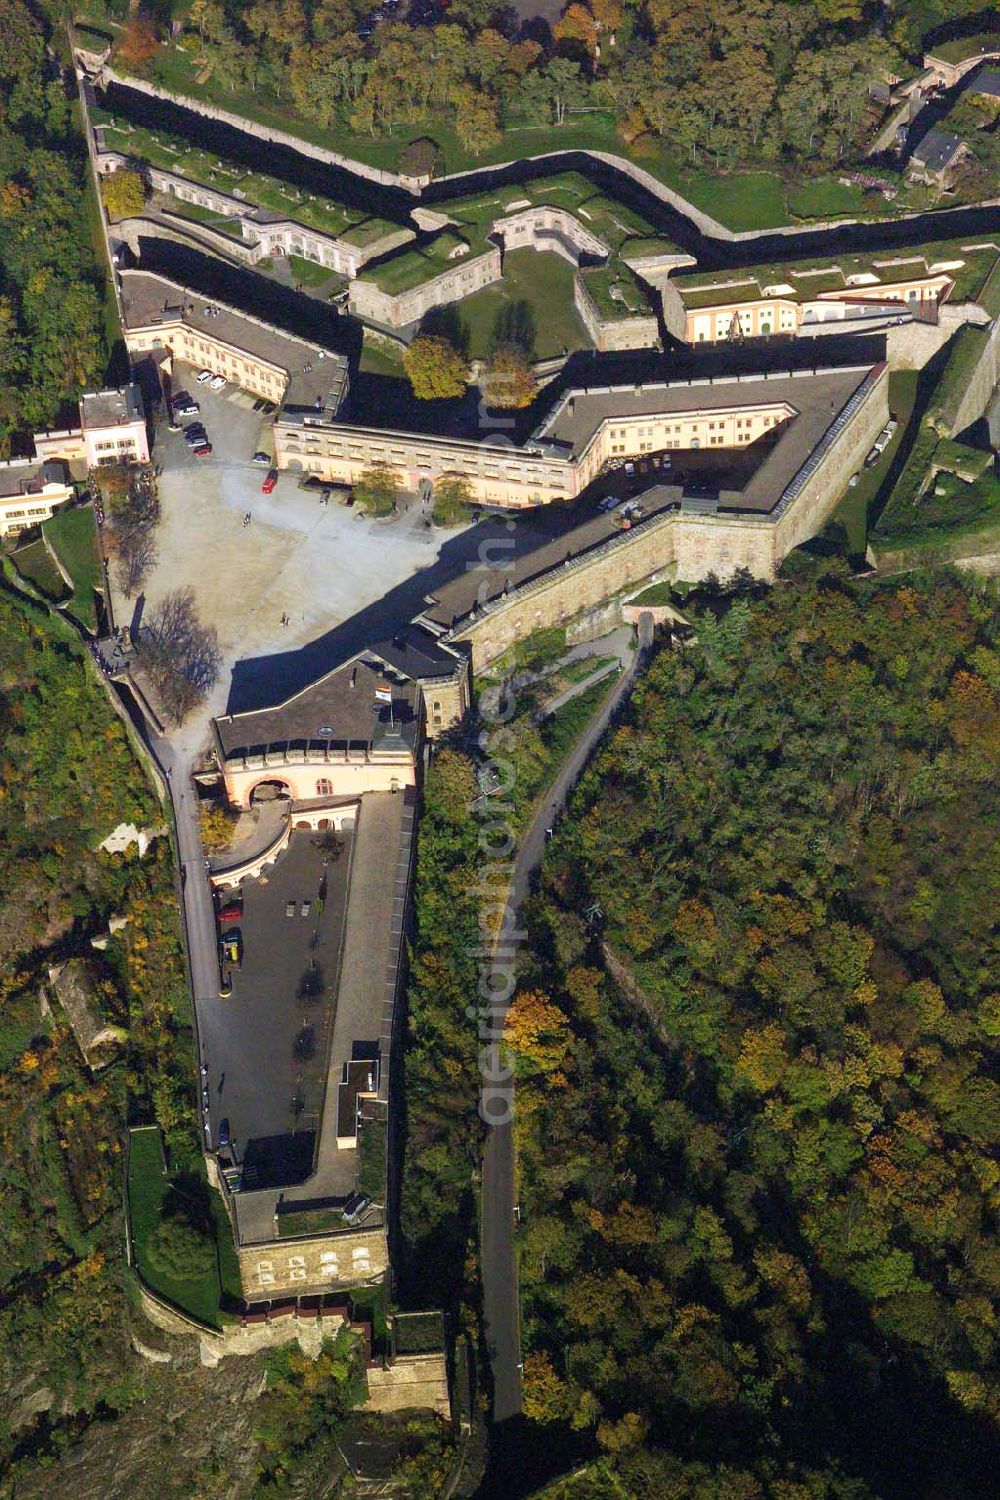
<point>201,215</point>
<point>148,1188</point>
<point>418,1332</point>
<point>657,593</point>
<point>308,273</point>
<point>854,510</point>
<point>580,670</point>
<point>741,200</point>
<point>826,198</point>
<point>34,563</point>
<point>311,1221</point>
<point>753,200</point>
<point>966,46</point>
<point>378,361</point>
<point>545,281</point>
<point>73,536</point>
<point>372,1159</point>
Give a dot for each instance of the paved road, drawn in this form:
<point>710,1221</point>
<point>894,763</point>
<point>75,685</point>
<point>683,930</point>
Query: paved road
<point>499,1260</point>
<point>199,915</point>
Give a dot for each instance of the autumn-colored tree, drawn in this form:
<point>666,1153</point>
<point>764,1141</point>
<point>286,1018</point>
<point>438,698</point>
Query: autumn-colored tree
<point>628,1432</point>
<point>546,1396</point>
<point>217,825</point>
<point>437,371</point>
<point>138,44</point>
<point>537,1031</point>
<point>763,1057</point>
<point>477,121</point>
<point>14,199</point>
<point>509,381</point>
<point>123,194</point>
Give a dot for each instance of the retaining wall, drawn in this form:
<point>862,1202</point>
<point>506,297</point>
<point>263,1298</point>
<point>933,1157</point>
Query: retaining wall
<point>704,221</point>
<point>982,383</point>
<point>262,132</point>
<point>909,346</point>
<point>238,1338</point>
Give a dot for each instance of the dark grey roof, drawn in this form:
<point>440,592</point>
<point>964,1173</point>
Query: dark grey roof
<point>986,82</point>
<point>937,150</point>
<point>416,653</point>
<point>340,708</point>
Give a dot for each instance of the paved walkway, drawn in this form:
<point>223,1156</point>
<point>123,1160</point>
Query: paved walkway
<point>501,1300</point>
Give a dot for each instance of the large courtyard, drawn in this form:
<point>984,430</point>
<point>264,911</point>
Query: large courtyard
<point>297,560</point>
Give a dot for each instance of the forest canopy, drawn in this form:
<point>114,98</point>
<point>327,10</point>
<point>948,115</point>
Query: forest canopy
<point>758,1114</point>
<point>51,345</point>
<point>722,80</point>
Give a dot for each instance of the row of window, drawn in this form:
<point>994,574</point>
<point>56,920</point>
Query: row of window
<point>35,510</point>
<point>234,362</point>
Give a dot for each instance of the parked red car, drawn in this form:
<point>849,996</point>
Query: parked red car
<point>270,480</point>
<point>202,450</point>
<point>231,912</point>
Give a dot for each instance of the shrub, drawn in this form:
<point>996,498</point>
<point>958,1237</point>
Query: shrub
<point>177,1247</point>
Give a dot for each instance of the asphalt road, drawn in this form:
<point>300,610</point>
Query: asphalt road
<point>501,1303</point>
<point>199,914</point>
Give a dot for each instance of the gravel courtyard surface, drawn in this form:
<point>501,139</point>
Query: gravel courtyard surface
<point>316,565</point>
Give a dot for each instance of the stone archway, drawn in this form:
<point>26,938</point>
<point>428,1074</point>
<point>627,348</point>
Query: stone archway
<point>269,789</point>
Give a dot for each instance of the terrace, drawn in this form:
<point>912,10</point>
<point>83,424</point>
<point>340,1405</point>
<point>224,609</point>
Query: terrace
<point>977,261</point>
<point>613,222</point>
<point>401,273</point>
<point>173,154</point>
<point>615,292</point>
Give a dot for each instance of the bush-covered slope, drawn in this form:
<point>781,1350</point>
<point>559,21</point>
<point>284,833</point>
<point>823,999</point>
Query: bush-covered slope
<point>758,1114</point>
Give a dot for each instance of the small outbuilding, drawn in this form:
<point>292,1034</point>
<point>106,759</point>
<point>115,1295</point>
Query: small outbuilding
<point>937,158</point>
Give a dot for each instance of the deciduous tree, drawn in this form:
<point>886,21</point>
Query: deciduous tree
<point>437,371</point>
<point>123,193</point>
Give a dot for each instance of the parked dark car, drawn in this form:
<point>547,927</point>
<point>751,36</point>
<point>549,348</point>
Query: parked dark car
<point>224,1136</point>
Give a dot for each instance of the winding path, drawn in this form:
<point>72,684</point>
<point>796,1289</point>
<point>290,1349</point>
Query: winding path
<point>501,1303</point>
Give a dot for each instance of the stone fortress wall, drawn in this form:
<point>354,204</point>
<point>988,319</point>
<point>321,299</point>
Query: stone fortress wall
<point>631,331</point>
<point>103,74</point>
<point>541,228</point>
<point>680,545</point>
<point>544,227</point>
<point>470,273</point>
<point>982,382</point>
<point>260,238</point>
